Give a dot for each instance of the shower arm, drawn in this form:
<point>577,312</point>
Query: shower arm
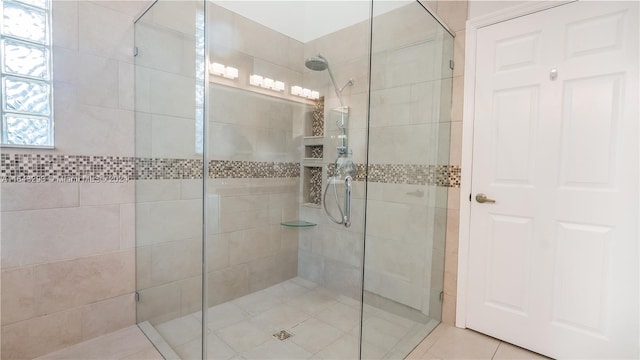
<point>335,86</point>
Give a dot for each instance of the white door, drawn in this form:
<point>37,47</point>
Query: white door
<point>553,263</point>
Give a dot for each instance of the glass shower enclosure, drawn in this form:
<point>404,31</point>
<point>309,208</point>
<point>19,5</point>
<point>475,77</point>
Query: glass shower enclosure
<point>293,171</point>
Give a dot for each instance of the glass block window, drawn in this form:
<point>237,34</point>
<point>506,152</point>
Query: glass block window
<point>25,69</point>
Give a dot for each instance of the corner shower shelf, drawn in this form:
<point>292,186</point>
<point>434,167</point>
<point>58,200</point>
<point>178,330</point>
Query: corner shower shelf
<point>297,224</point>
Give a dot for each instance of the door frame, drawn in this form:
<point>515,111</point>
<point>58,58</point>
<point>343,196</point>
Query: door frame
<point>472,27</point>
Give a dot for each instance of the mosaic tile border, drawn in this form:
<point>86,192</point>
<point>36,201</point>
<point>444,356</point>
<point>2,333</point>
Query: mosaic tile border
<point>436,175</point>
<point>40,168</point>
<point>219,169</point>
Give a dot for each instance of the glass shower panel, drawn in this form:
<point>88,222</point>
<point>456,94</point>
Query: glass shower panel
<point>284,281</point>
<point>169,105</point>
<point>409,176</point>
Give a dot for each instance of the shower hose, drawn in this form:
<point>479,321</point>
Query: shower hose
<point>345,215</point>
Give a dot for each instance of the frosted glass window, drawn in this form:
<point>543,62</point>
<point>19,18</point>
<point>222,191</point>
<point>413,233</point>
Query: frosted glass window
<point>27,92</point>
<point>22,58</point>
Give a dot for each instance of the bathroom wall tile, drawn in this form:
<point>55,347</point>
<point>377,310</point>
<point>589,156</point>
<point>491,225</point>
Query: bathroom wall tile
<point>18,302</point>
<point>171,94</point>
<point>443,147</point>
<point>457,100</point>
<point>126,89</point>
<point>343,246</point>
<point>173,137</point>
<point>248,245</point>
<point>41,335</point>
<point>256,40</point>
<point>108,315</point>
<point>130,8</point>
<point>190,295</point>
<point>175,260</point>
<point>190,189</point>
<point>389,144</point>
<point>228,284</point>
<point>157,190</point>
<point>449,309</point>
<point>106,193</point>
<point>345,279</point>
<point>159,48</point>
<point>218,251</point>
<point>65,24</point>
<point>244,203</point>
<point>453,223</point>
<point>177,16</point>
<point>453,13</point>
<point>127,226</point>
<point>105,32</point>
<point>272,270</point>
<point>143,267</point>
<point>59,234</point>
<point>159,303</point>
<point>416,26</point>
<point>67,284</point>
<point>181,219</point>
<point>424,101</point>
<point>220,27</point>
<point>458,53</point>
<point>243,219</point>
<point>94,130</point>
<point>84,71</point>
<point>311,266</point>
<point>142,128</point>
<point>453,198</point>
<point>346,44</point>
<point>26,196</point>
<point>455,152</point>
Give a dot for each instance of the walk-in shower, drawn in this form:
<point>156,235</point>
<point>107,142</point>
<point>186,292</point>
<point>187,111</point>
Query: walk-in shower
<point>262,180</point>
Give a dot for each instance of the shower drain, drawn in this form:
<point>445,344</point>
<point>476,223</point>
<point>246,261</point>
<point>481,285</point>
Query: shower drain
<point>282,335</point>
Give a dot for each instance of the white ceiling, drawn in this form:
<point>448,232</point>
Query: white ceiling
<point>307,20</point>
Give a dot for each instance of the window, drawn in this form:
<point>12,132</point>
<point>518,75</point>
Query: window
<point>27,92</point>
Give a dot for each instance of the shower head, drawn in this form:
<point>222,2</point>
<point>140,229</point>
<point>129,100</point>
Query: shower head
<point>316,63</point>
<point>319,63</point>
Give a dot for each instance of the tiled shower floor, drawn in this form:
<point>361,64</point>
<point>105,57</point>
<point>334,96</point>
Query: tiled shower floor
<point>324,325</point>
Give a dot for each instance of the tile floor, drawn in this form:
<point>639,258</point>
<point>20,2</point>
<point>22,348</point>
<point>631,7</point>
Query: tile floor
<point>126,344</point>
<point>324,324</point>
<point>449,343</point>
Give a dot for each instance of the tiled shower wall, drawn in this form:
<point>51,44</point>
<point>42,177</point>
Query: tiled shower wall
<point>68,247</point>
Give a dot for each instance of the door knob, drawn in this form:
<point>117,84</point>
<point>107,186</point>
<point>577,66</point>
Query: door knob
<point>482,198</point>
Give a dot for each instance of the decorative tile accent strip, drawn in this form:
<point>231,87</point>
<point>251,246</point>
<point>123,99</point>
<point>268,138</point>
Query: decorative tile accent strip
<point>252,169</point>
<point>315,151</point>
<point>41,168</point>
<point>314,195</point>
<point>167,169</point>
<point>438,175</point>
<point>317,118</point>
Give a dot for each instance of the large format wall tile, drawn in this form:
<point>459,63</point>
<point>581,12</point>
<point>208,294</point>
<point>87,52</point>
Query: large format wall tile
<point>60,234</point>
<point>37,336</point>
<point>69,284</point>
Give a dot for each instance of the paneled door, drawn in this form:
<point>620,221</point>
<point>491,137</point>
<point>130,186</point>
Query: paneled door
<point>553,262</point>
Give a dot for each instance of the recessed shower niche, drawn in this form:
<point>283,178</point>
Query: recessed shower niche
<point>243,242</point>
